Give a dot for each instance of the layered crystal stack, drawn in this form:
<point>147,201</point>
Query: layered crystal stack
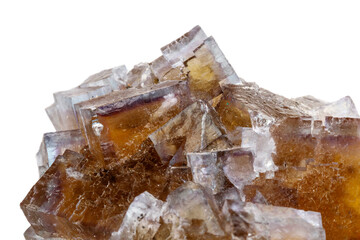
<point>182,148</point>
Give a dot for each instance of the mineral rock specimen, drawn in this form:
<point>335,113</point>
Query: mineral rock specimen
<point>55,144</point>
<point>117,123</point>
<point>182,148</point>
<point>269,222</point>
<point>218,170</point>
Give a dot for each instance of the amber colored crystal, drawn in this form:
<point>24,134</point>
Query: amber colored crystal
<point>116,125</point>
<point>273,191</point>
<point>197,59</point>
<point>182,148</point>
<point>233,115</point>
<point>205,72</point>
<point>196,127</point>
<point>248,104</point>
<point>178,176</point>
<point>78,197</point>
<point>319,171</point>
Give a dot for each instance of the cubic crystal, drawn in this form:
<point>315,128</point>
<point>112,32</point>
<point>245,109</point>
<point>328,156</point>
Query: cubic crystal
<point>258,221</point>
<point>195,127</point>
<point>55,144</point>
<point>182,148</point>
<point>116,124</point>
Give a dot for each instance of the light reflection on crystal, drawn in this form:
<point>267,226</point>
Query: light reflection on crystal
<point>182,148</point>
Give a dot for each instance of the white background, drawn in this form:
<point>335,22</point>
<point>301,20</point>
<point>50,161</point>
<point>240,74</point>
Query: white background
<point>292,48</point>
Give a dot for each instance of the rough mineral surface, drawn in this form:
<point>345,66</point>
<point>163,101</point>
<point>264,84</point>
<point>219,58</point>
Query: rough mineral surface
<point>182,148</point>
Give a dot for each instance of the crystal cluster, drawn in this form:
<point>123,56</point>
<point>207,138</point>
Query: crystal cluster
<point>182,148</point>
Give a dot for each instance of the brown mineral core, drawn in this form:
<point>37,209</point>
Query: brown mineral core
<point>203,82</point>
<point>202,72</point>
<point>129,128</point>
<point>77,197</point>
<point>158,135</point>
<point>232,116</point>
<point>318,173</point>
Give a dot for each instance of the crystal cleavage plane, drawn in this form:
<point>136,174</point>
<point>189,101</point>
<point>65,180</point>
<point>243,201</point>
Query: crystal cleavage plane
<point>182,148</point>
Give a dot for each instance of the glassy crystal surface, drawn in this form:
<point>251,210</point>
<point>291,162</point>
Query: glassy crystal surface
<point>114,77</point>
<point>263,146</point>
<point>116,124</point>
<point>248,106</point>
<point>195,127</point>
<point>76,196</point>
<point>256,106</point>
<point>183,48</point>
<point>308,103</point>
<point>160,67</point>
<point>344,107</point>
<point>258,221</point>
<point>318,171</point>
<point>55,144</point>
<point>198,59</point>
<point>220,143</point>
<point>178,176</point>
<point>190,212</point>
<point>182,148</point>
<point>62,113</point>
<point>140,76</point>
<point>219,170</point>
<point>142,219</point>
<point>207,170</point>
<point>30,234</point>
<point>207,69</point>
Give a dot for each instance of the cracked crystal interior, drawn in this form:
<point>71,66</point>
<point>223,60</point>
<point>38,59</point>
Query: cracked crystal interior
<point>182,148</point>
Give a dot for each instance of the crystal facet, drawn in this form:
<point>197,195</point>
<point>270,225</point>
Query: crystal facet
<point>54,144</point>
<point>258,221</point>
<point>195,127</point>
<point>218,170</point>
<point>142,219</point>
<point>182,148</point>
<point>116,124</point>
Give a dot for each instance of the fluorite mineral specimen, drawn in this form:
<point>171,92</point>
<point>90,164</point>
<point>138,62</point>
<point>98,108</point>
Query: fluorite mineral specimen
<point>182,148</point>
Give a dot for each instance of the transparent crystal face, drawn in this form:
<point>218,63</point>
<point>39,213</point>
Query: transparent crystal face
<point>182,148</point>
<point>55,144</point>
